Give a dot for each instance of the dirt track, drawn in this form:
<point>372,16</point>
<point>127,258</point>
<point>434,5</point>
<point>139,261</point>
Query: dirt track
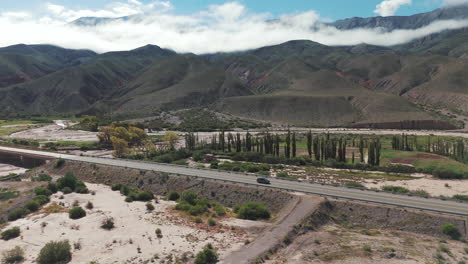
<point>275,234</point>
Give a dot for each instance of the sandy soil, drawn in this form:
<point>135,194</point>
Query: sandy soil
<point>56,132</point>
<point>346,245</point>
<point>132,241</point>
<point>6,169</point>
<point>434,187</point>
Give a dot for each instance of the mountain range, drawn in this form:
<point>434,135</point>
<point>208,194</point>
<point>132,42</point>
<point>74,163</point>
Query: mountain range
<point>298,82</point>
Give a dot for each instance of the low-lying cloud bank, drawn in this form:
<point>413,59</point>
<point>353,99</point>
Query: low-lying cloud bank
<point>220,28</point>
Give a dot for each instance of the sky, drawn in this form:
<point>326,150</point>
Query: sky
<point>331,9</point>
<point>207,26</point>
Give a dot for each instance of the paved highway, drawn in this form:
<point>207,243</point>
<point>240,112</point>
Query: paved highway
<point>435,205</point>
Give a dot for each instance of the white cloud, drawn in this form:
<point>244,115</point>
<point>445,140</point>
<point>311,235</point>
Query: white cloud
<point>220,28</point>
<point>389,7</point>
<point>455,2</point>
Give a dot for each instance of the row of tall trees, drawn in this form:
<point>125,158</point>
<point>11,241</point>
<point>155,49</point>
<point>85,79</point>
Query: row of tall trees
<point>319,147</point>
<point>438,145</point>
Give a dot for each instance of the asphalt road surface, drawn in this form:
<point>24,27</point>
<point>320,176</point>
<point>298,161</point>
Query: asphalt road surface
<point>435,205</point>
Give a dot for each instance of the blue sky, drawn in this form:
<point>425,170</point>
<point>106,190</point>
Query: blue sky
<point>332,9</point>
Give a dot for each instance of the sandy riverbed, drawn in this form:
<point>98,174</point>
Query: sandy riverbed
<point>56,132</point>
<point>434,187</point>
<point>6,169</point>
<point>132,241</point>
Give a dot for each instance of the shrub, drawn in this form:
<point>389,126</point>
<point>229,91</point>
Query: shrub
<point>149,206</point>
<point>253,211</point>
<point>15,255</point>
<point>220,211</point>
<point>145,196</point>
<point>158,233</point>
<point>129,199</point>
<point>41,178</point>
<point>11,233</point>
<point>52,187</point>
<point>399,168</point>
<point>207,256</point>
<point>451,231</point>
<point>69,180</point>
<point>108,223</point>
<point>59,163</point>
<point>116,187</point>
<point>67,190</point>
<point>41,199</point>
<point>42,191</point>
<point>461,197</point>
<point>395,189</point>
<point>198,220</point>
<point>173,196</point>
<point>76,213</point>
<point>17,214</point>
<point>124,190</point>
<point>282,174</point>
<point>89,205</point>
<point>354,185</point>
<point>55,252</point>
<point>211,222</point>
<point>446,174</point>
<point>189,197</point>
<point>32,206</point>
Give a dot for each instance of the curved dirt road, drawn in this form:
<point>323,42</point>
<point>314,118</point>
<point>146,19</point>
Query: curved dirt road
<point>275,234</point>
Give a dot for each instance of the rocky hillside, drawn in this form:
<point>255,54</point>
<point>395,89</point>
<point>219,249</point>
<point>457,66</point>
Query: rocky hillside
<point>299,82</point>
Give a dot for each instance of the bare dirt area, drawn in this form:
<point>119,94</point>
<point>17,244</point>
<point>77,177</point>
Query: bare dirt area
<point>435,187</point>
<point>6,169</point>
<point>410,160</point>
<point>56,132</point>
<point>134,238</point>
<point>340,244</point>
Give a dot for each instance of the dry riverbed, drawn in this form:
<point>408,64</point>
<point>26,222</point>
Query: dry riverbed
<point>56,132</point>
<point>134,239</point>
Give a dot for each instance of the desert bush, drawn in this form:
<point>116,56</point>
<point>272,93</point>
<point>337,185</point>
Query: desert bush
<point>211,222</point>
<point>159,233</point>
<point>41,178</point>
<point>451,231</point>
<point>41,199</point>
<point>17,214</point>
<point>207,256</point>
<point>15,255</point>
<point>173,196</point>
<point>354,184</point>
<point>189,197</point>
<point>76,213</point>
<point>52,187</point>
<point>59,163</point>
<point>32,206</point>
<point>282,174</point>
<point>89,205</point>
<point>149,206</point>
<point>395,189</point>
<point>198,220</point>
<point>145,196</point>
<point>129,199</point>
<point>219,210</point>
<point>42,191</point>
<point>446,174</point>
<point>461,197</point>
<point>116,187</point>
<point>55,252</point>
<point>253,211</point>
<point>67,190</point>
<point>70,181</point>
<point>11,233</point>
<point>108,223</point>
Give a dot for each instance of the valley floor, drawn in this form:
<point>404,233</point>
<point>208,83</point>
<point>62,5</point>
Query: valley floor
<point>133,240</point>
